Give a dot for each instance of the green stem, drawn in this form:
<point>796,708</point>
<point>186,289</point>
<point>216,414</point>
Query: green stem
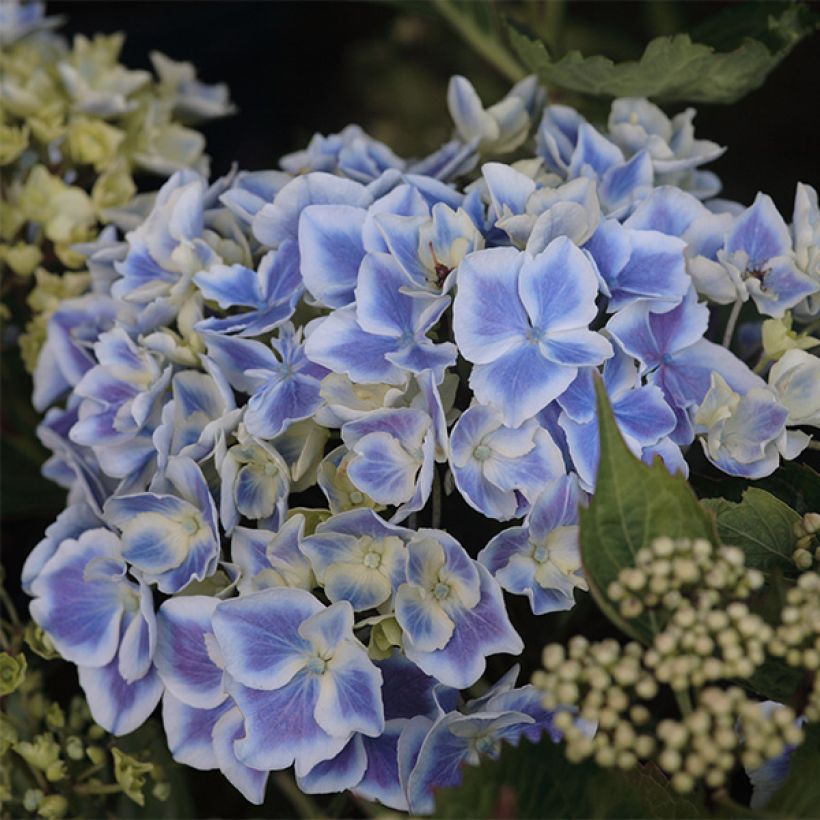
<point>814,445</point>
<point>730,325</point>
<point>97,788</point>
<point>5,599</point>
<point>300,801</point>
<point>436,495</point>
<point>485,45</point>
<point>761,365</point>
<point>554,25</point>
<point>684,701</point>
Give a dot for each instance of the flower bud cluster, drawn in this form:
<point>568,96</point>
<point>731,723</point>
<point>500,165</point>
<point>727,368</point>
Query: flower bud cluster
<point>797,638</point>
<point>607,685</point>
<point>724,725</point>
<point>669,570</point>
<point>807,547</point>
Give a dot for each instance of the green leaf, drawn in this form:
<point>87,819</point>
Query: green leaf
<point>796,484</point>
<point>633,504</point>
<point>761,525</point>
<point>538,781</point>
<point>799,796</point>
<point>673,68</point>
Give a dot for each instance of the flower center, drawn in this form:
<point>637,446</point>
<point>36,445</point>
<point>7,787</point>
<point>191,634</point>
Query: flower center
<point>190,525</point>
<point>540,554</point>
<point>271,469</point>
<point>482,452</point>
<point>441,591</point>
<point>316,665</point>
<point>485,744</point>
<point>356,497</point>
<point>372,560</point>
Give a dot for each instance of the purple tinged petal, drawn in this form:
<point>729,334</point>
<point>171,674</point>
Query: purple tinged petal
<point>338,343</point>
<point>81,595</point>
<point>259,638</point>
<point>339,773</point>
<point>380,781</point>
<point>251,783</point>
<point>558,288</point>
<point>189,731</point>
<point>488,317</point>
<point>761,232</point>
<point>331,250</point>
<point>183,659</point>
<point>119,707</point>
<point>280,728</point>
<point>593,152</point>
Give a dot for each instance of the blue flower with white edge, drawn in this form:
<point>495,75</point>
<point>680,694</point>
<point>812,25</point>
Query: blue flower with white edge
<point>65,357</point>
<point>532,215</point>
<point>745,435</point>
<point>171,537</point>
<point>272,559</point>
<point>542,558</point>
<point>346,400</point>
<point>806,242</point>
<point>500,470</point>
<point>523,321</point>
<point>433,752</point>
<point>674,355</point>
<point>795,379</point>
<point>269,294</point>
<point>100,619</point>
<point>358,558</point>
<point>72,522</point>
<point>201,411</point>
<point>122,399</point>
<point>679,214</point>
<point>384,335</point>
<point>303,682</point>
<point>369,765</point>
<point>451,611</point>
<point>759,261</point>
<point>641,412</point>
<point>430,248</point>
<point>501,127</point>
<point>283,384</point>
<point>250,190</point>
<point>254,480</point>
<point>277,221</point>
<point>351,152</point>
<point>394,457</point>
<point>17,20</point>
<point>635,124</point>
<point>196,705</point>
<point>639,265</point>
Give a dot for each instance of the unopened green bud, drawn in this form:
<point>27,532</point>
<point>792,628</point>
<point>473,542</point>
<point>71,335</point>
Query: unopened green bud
<point>74,748</point>
<point>96,754</point>
<point>12,672</point>
<point>53,807</point>
<point>39,642</point>
<point>32,799</point>
<point>8,734</point>
<point>130,774</point>
<point>161,791</point>
<point>55,717</point>
<point>56,771</point>
<point>40,753</point>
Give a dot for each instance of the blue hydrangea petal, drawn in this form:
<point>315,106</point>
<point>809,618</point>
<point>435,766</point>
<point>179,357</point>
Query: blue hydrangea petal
<point>182,657</point>
<point>280,728</point>
<point>488,317</point>
<point>250,782</point>
<point>189,731</point>
<point>139,638</point>
<point>520,383</point>
<point>278,221</point>
<point>82,614</point>
<point>502,547</point>
<point>761,232</point>
<point>350,693</point>
<point>339,773</point>
<point>259,638</point>
<point>481,631</point>
<point>422,619</point>
<point>383,469</point>
<point>281,402</point>
<point>118,706</point>
<point>339,343</point>
<point>593,154</point>
<point>380,781</point>
<point>331,250</point>
<point>509,189</point>
<point>234,357</point>
<point>556,506</point>
<point>558,288</point>
<point>482,494</point>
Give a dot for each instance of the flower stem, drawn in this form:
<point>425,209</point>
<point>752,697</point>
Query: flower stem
<point>487,45</point>
<point>730,325</point>
<point>300,801</point>
<point>436,493</point>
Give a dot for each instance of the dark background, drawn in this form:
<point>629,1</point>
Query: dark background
<point>298,67</point>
